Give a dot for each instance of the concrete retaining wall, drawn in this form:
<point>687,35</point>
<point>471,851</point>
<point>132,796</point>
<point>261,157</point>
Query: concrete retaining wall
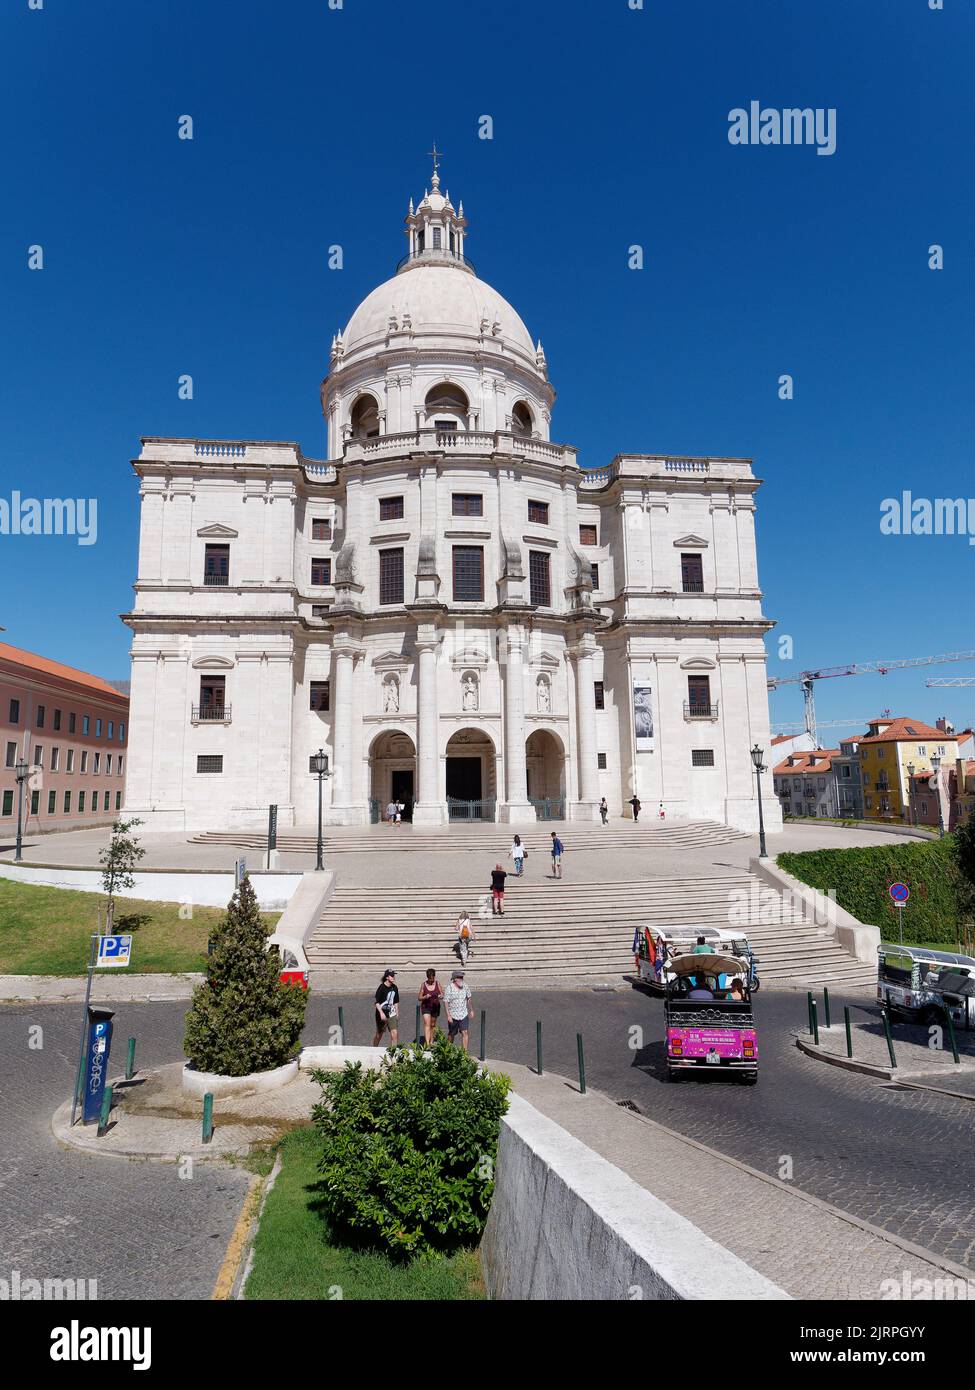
<point>859,938</point>
<point>162,885</point>
<point>567,1224</point>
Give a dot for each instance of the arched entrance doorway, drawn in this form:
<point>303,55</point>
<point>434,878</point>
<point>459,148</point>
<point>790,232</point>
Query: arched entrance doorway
<point>392,773</point>
<point>471,786</point>
<point>545,766</point>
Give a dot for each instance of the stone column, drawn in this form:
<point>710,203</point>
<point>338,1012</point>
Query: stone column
<point>516,806</point>
<point>344,811</point>
<point>428,809</point>
<point>587,807</point>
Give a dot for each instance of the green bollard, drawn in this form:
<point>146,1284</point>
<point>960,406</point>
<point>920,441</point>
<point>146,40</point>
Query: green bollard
<point>826,1007</point>
<point>207,1117</point>
<point>538,1048</point>
<point>106,1110</point>
<point>951,1035</point>
<point>341,1026</point>
<point>483,1030</point>
<point>130,1061</point>
<point>815,1023</point>
<point>582,1064</point>
<point>849,1035</point>
<point>887,1034</point>
<point>809,1008</point>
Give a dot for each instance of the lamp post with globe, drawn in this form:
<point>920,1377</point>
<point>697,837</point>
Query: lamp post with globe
<point>21,771</point>
<point>758,755</point>
<point>320,765</point>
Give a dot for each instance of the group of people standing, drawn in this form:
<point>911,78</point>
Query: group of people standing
<point>455,1001</point>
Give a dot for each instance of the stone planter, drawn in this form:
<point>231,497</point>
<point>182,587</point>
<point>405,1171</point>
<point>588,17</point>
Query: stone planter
<point>198,1083</point>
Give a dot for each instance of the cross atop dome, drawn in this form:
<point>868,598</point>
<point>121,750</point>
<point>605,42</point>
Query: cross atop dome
<point>435,228</point>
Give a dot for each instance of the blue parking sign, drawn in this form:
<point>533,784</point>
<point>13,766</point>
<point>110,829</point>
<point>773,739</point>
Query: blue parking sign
<point>113,951</point>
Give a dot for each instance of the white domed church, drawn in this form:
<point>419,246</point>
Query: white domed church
<point>464,619</point>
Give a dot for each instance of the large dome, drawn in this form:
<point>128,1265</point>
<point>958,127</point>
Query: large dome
<point>438,300</point>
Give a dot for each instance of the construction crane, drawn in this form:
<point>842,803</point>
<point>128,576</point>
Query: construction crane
<point>798,725</point>
<point>806,679</point>
<point>951,682</point>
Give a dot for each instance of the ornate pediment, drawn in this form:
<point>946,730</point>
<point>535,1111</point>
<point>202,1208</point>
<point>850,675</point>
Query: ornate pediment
<point>213,663</point>
<point>696,542</point>
<point>698,663</point>
<point>471,657</point>
<point>390,661</point>
<point>546,661</point>
<point>216,532</point>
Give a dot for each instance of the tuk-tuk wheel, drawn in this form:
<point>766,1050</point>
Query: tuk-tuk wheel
<point>750,1078</point>
<point>673,1074</point>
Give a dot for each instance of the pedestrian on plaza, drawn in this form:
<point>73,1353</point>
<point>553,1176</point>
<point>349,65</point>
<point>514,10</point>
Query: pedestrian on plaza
<point>460,1010</point>
<point>391,813</point>
<point>465,936</point>
<point>558,849</point>
<point>387,1009</point>
<point>604,811</point>
<point>635,804</point>
<point>430,997</point>
<point>400,808</point>
<point>498,876</point>
<point>519,855</point>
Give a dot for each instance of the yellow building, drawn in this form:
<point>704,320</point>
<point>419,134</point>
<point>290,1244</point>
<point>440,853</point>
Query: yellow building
<point>893,749</point>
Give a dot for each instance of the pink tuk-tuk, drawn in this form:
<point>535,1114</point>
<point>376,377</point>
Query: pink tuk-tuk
<point>710,1024</point>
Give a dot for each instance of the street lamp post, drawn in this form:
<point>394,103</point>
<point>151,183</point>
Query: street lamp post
<point>20,772</point>
<point>936,774</point>
<point>910,793</point>
<point>757,755</point>
<point>320,764</point>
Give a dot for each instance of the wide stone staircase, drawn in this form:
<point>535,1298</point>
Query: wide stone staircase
<point>559,929</point>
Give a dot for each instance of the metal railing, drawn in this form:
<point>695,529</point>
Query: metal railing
<point>211,714</point>
<point>216,581</point>
<point>693,710</point>
<point>548,807</point>
<point>692,586</point>
<point>460,810</point>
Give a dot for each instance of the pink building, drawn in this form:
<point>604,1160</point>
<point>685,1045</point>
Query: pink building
<point>70,728</point>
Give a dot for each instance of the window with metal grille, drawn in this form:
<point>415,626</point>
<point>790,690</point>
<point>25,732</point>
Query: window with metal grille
<point>209,762</point>
<point>601,761</point>
<point>216,566</point>
<point>692,574</point>
<point>319,610</point>
<point>390,576</point>
<point>702,757</point>
<point>468,574</point>
<point>321,530</point>
<point>319,696</point>
<point>539,577</point>
<point>538,513</point>
<point>321,570</point>
<point>594,575</point>
<point>467,504</point>
<point>587,535</point>
<point>390,509</point>
<point>600,690</point>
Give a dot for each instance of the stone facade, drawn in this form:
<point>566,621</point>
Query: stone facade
<point>462,617</point>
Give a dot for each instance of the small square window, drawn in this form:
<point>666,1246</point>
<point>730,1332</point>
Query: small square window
<point>321,570</point>
<point>538,513</point>
<point>702,757</point>
<point>321,529</point>
<point>588,535</point>
<point>320,610</point>
<point>209,762</point>
<point>390,509</point>
<point>467,504</point>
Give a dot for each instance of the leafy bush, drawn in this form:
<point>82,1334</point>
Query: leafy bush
<point>408,1152</point>
<point>243,1018</point>
<point>861,877</point>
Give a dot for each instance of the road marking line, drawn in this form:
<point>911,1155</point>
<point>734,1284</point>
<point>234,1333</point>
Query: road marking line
<point>237,1243</point>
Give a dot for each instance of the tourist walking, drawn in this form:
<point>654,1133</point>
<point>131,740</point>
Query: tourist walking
<point>498,876</point>
<point>465,936</point>
<point>604,810</point>
<point>430,998</point>
<point>400,808</point>
<point>460,1010</point>
<point>391,813</point>
<point>386,1009</point>
<point>558,849</point>
<point>635,804</point>
<point>518,855</point>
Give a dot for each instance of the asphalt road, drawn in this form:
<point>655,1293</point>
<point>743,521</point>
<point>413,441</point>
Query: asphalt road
<point>899,1158</point>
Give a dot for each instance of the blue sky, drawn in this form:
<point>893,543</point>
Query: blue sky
<point>165,256</point>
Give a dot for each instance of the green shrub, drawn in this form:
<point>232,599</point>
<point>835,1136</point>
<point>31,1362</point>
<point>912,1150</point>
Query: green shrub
<point>243,1018</point>
<point>408,1152</point>
<point>860,878</point>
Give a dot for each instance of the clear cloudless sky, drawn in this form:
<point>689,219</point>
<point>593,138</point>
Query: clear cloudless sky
<point>311,126</point>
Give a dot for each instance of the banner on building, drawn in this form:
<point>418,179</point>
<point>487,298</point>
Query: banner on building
<point>643,718</point>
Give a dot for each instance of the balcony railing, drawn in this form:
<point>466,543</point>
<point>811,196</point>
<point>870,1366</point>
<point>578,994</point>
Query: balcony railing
<point>692,586</point>
<point>693,710</point>
<point>216,581</point>
<point>210,714</point>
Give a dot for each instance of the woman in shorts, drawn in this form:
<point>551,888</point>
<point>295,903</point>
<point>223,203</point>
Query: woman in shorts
<point>430,997</point>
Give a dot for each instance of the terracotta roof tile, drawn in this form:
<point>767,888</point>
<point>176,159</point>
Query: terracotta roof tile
<point>904,729</point>
<point>45,666</point>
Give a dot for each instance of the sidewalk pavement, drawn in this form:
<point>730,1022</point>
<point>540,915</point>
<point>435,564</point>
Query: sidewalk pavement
<point>106,988</point>
<point>802,1244</point>
<point>921,1051</point>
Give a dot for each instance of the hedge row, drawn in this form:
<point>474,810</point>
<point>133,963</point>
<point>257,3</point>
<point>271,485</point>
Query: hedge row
<point>860,878</point>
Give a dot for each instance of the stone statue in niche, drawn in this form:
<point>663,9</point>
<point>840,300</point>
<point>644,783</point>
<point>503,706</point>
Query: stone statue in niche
<point>544,686</point>
<point>391,694</point>
<point>469,691</point>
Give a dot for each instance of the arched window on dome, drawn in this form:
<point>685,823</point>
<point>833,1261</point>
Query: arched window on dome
<point>521,420</point>
<point>447,408</point>
<point>364,419</point>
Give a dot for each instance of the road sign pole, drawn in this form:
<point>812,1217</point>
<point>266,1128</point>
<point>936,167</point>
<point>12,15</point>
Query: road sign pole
<point>79,1079</point>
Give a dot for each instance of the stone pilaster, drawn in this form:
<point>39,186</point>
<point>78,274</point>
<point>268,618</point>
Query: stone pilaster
<point>428,809</point>
<point>516,807</point>
<point>587,807</point>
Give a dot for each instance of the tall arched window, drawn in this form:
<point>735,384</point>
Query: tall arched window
<point>365,418</point>
<point>446,407</point>
<point>521,419</point>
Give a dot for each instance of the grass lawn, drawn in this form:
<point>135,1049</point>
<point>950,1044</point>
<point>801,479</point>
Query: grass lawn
<point>293,1259</point>
<point>47,931</point>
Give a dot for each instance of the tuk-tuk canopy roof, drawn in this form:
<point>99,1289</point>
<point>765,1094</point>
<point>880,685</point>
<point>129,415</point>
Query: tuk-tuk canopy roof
<point>699,963</point>
<point>921,953</point>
